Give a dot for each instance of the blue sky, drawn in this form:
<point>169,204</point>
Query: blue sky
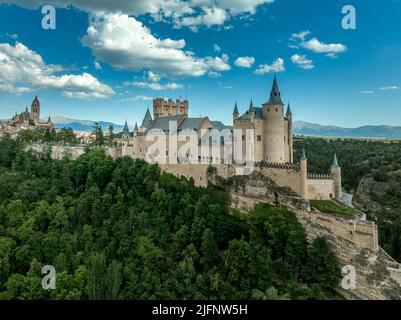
<point>107,65</point>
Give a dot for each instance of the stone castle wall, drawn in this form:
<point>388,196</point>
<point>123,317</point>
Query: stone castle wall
<point>320,189</point>
<point>198,172</point>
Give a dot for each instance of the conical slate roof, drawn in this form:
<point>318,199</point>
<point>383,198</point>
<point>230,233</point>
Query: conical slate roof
<point>136,127</point>
<point>147,119</point>
<point>236,108</point>
<point>289,112</point>
<point>335,161</point>
<point>251,107</point>
<point>304,155</point>
<point>275,96</point>
<point>126,130</point>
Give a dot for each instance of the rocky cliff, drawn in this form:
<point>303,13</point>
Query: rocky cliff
<point>353,240</point>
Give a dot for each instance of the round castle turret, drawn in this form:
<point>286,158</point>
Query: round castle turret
<point>336,175</point>
<point>275,134</point>
<point>304,175</point>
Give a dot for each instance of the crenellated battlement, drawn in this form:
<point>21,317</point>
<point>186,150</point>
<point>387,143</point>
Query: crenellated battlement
<point>165,108</point>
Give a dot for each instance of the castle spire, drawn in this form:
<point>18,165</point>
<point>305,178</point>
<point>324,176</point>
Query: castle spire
<point>126,129</point>
<point>136,127</point>
<point>147,119</point>
<point>236,108</point>
<point>335,161</point>
<point>289,112</point>
<point>275,96</point>
<point>251,108</point>
<point>304,155</point>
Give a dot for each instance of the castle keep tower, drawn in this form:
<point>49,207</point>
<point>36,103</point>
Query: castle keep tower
<point>276,131</point>
<point>35,110</point>
<point>165,108</point>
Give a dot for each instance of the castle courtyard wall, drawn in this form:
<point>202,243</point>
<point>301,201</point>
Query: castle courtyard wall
<point>320,189</point>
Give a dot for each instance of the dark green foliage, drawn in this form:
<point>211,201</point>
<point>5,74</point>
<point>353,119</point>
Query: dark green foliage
<point>63,136</point>
<point>357,158</point>
<point>121,229</point>
<point>322,266</point>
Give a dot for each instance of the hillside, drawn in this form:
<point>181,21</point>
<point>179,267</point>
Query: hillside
<point>317,130</point>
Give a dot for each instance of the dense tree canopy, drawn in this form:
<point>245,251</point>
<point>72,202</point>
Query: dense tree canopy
<point>121,229</point>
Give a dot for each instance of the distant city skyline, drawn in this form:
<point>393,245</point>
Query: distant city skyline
<point>106,66</point>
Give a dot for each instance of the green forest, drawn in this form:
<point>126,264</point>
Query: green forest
<point>379,160</point>
<point>121,229</point>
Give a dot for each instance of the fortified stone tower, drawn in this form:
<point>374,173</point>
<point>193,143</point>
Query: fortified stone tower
<point>125,139</point>
<point>336,174</point>
<point>290,142</point>
<point>236,112</point>
<point>164,108</point>
<point>35,110</point>
<point>275,134</point>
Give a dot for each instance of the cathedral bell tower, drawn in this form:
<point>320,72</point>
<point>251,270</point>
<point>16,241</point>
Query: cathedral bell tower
<point>35,110</point>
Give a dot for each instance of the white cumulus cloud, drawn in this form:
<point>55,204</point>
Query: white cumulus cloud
<point>302,62</point>
<point>23,70</point>
<point>154,85</point>
<point>300,36</point>
<point>332,49</point>
<point>126,44</point>
<point>136,98</point>
<point>245,62</point>
<point>390,88</point>
<point>276,66</point>
<point>191,13</point>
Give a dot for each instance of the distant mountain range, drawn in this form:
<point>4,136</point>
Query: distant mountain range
<point>299,128</point>
<point>317,130</point>
<point>84,125</point>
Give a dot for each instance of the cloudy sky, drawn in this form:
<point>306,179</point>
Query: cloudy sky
<point>106,59</point>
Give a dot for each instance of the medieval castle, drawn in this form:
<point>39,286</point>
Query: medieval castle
<point>31,120</point>
<point>271,137</point>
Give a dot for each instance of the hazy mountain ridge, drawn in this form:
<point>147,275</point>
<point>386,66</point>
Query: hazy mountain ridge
<point>369,131</point>
<point>299,128</point>
<point>83,125</point>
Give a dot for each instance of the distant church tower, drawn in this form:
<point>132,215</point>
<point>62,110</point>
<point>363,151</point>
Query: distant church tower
<point>35,110</point>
